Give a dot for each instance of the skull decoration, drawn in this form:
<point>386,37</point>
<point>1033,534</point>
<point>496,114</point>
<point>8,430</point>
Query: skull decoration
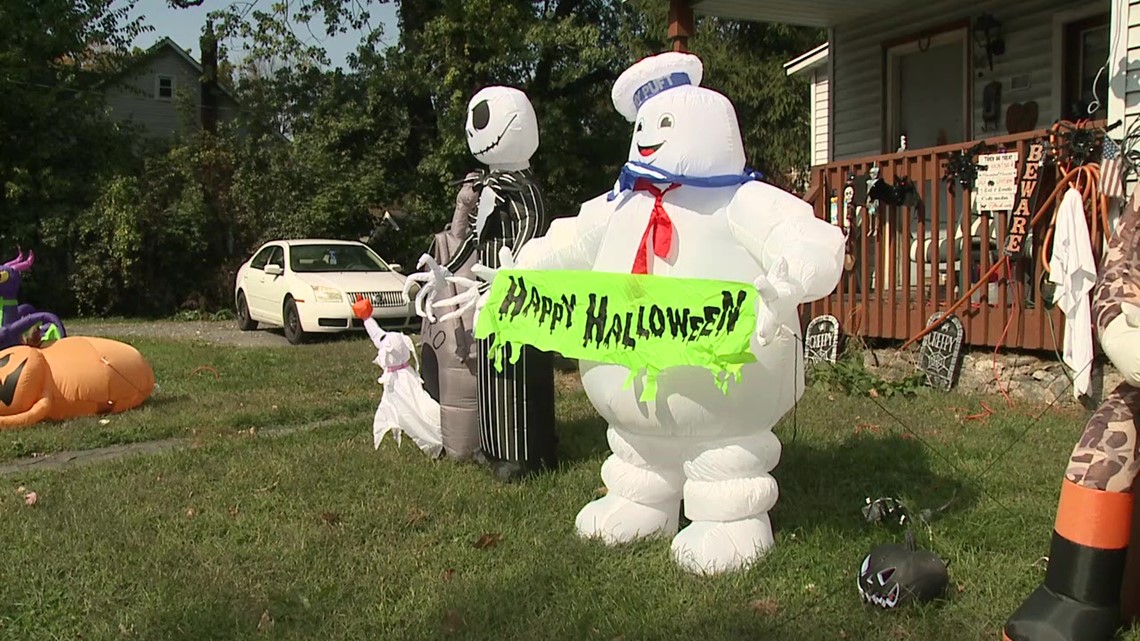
<point>894,575</point>
<point>502,128</point>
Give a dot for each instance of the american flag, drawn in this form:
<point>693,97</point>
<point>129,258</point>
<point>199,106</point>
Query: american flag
<point>1111,170</point>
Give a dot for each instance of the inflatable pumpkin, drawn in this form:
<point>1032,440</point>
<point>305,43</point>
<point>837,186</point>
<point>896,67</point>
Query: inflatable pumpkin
<point>72,377</point>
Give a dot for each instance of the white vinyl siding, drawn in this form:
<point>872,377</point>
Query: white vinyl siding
<point>1028,29</point>
<point>820,112</point>
<point>1131,54</point>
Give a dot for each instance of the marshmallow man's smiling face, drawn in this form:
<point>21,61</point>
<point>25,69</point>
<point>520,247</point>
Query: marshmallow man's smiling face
<point>691,131</point>
<point>651,137</point>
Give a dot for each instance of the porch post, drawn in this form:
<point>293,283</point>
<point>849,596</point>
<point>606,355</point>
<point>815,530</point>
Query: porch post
<point>1118,80</point>
<point>680,24</point>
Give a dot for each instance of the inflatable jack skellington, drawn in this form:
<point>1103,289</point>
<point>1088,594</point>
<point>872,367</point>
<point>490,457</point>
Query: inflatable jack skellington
<point>516,404</point>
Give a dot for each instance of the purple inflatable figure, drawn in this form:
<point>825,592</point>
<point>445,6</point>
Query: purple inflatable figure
<point>17,319</point>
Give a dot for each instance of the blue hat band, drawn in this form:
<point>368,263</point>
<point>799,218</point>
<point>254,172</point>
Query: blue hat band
<point>657,85</point>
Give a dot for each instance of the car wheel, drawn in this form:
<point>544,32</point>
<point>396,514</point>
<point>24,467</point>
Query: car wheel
<point>244,322</point>
<point>293,332</point>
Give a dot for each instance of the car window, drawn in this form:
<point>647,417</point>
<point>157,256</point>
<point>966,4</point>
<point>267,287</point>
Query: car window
<point>261,258</point>
<point>334,258</point>
<point>277,257</point>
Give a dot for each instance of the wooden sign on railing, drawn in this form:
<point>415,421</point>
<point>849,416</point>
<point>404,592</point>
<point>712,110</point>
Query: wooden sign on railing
<point>1026,196</point>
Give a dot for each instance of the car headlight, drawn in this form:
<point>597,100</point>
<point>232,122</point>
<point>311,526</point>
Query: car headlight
<point>327,294</point>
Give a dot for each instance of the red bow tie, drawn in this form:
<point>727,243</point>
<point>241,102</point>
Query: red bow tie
<point>659,224</point>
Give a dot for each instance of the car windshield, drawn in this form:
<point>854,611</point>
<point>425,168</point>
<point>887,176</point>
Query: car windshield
<point>334,258</point>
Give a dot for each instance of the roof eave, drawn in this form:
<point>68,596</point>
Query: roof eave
<point>810,60</point>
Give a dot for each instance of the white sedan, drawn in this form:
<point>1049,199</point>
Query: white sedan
<point>309,286</point>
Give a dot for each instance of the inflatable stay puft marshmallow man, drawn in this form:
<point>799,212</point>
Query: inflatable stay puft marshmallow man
<point>685,206</point>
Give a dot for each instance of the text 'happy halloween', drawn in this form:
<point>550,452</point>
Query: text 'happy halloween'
<point>606,323</point>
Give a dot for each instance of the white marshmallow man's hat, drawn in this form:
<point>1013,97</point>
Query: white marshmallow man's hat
<point>653,75</point>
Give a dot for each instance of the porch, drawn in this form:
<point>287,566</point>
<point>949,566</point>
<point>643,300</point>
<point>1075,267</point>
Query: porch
<point>903,88</point>
<point>912,260</point>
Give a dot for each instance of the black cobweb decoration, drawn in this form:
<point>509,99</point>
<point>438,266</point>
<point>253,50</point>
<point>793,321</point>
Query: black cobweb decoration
<point>961,169</point>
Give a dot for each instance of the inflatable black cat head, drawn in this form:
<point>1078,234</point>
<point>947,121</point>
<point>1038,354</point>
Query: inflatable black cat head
<point>893,575</point>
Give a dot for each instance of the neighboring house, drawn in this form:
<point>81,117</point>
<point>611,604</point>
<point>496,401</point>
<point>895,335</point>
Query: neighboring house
<point>163,92</point>
<point>815,64</point>
<point>944,74</point>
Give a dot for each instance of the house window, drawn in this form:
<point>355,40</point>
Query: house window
<point>1084,51</point>
<point>165,89</point>
<point>928,91</point>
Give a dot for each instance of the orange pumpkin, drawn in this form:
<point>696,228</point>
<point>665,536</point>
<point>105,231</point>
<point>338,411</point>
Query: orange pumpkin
<point>26,390</point>
<point>72,377</point>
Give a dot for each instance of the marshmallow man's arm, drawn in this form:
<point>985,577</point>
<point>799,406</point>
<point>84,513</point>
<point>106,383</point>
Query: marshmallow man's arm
<point>570,243</point>
<point>772,224</point>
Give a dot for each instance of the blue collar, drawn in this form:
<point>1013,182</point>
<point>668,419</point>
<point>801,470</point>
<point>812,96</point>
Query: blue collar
<point>633,170</point>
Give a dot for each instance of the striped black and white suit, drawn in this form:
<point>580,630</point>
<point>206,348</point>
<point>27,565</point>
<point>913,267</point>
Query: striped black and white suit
<point>516,405</point>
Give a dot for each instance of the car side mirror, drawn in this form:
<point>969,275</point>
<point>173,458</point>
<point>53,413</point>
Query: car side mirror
<point>396,267</point>
<point>274,270</point>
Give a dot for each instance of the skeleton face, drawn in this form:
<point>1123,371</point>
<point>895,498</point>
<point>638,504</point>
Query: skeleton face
<point>502,129</point>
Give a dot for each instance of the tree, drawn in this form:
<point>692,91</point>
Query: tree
<point>317,150</point>
<point>56,146</point>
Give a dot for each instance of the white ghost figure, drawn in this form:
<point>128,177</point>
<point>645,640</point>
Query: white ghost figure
<point>405,407</point>
<point>715,450</point>
<point>502,128</point>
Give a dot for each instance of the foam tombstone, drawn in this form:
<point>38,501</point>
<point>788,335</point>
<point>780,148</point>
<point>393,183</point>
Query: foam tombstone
<point>516,403</point>
<point>685,207</point>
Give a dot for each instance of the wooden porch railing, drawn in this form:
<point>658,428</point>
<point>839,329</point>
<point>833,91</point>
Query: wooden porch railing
<point>913,261</point>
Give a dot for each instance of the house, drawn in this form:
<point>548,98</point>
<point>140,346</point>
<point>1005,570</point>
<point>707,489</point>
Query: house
<point>166,91</point>
<point>902,88</point>
<point>815,64</point>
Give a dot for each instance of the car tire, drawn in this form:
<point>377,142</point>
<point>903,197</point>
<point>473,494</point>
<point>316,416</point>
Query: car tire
<point>291,321</point>
<point>244,322</point>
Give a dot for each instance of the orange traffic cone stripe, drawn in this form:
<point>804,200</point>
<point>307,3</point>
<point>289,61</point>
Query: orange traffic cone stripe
<point>1094,518</point>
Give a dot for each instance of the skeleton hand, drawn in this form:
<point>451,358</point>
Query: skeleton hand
<point>430,282</point>
<point>474,293</point>
<point>487,274</point>
<point>778,296</point>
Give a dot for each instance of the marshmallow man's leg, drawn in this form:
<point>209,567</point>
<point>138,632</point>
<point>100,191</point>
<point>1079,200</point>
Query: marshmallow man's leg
<point>728,492</point>
<point>644,480</point>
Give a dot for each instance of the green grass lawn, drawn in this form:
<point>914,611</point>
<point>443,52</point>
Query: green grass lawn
<point>206,391</point>
<point>315,535</point>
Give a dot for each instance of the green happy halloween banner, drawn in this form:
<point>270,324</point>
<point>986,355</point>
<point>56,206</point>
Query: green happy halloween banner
<point>645,323</point>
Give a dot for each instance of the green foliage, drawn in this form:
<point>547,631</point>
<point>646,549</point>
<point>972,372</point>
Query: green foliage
<point>58,147</point>
<point>123,225</point>
<point>849,375</point>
